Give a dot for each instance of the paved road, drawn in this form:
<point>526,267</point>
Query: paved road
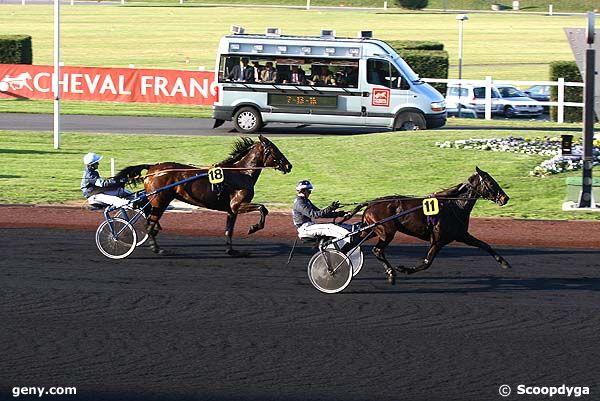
<point>187,126</point>
<point>156,125</point>
<point>199,325</point>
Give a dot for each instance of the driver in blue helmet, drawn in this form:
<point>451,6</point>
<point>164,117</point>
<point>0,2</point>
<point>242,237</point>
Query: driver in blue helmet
<point>100,191</point>
<point>304,213</point>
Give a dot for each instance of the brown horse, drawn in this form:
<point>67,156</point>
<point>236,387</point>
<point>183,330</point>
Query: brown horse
<point>451,224</point>
<point>234,196</point>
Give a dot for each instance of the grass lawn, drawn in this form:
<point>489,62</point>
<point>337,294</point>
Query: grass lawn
<point>106,108</point>
<point>505,46</point>
<point>348,168</point>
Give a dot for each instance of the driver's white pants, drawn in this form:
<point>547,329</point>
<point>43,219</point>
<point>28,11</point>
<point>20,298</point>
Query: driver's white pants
<point>112,197</point>
<point>312,230</point>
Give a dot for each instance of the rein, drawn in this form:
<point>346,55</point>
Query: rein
<point>198,169</point>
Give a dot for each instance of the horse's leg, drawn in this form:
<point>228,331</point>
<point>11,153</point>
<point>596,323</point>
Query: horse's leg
<point>254,207</point>
<point>434,249</point>
<point>470,240</point>
<point>153,227</point>
<point>229,226</point>
<point>379,253</point>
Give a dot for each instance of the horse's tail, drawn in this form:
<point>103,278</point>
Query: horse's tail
<point>133,173</point>
<point>357,209</point>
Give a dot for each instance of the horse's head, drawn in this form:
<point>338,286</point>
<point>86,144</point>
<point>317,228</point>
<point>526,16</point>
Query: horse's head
<point>273,157</point>
<point>486,187</point>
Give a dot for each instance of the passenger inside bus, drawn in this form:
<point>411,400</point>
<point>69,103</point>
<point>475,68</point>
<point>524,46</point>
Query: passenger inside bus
<point>297,76</point>
<point>268,75</point>
<point>242,72</point>
<point>323,78</point>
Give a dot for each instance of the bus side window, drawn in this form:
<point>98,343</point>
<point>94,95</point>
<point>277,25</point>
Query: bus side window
<point>398,81</point>
<point>227,64</point>
<point>378,72</point>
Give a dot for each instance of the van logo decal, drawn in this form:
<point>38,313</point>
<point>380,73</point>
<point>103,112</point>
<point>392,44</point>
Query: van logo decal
<point>381,97</point>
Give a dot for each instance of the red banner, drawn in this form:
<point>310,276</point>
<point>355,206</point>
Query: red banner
<point>109,84</point>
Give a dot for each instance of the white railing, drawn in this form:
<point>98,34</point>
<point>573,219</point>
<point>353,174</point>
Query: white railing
<point>488,83</point>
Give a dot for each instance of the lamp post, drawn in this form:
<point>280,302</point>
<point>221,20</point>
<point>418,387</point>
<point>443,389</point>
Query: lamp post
<point>461,18</point>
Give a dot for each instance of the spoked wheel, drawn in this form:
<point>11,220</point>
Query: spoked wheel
<point>354,254</point>
<point>330,271</point>
<point>356,258</point>
<point>137,219</point>
<point>116,238</point>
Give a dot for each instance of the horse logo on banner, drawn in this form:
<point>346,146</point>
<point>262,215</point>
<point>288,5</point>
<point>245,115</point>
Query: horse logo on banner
<point>15,83</point>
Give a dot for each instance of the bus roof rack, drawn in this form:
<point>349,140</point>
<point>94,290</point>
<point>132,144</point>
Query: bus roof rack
<point>237,30</point>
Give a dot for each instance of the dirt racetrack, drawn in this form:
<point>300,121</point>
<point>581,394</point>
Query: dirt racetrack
<point>496,232</point>
<point>197,325</point>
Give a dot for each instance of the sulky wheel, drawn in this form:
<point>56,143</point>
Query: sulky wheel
<point>116,238</point>
<point>137,219</point>
<point>329,271</point>
<point>356,258</point>
<point>354,254</point>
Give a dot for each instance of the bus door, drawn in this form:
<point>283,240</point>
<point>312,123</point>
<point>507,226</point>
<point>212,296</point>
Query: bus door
<point>384,88</point>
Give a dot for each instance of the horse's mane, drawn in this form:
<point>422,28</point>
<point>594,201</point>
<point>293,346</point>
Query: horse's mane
<point>239,150</point>
<point>450,192</point>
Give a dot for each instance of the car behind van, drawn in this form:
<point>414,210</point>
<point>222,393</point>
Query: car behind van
<point>471,98</point>
<point>516,103</point>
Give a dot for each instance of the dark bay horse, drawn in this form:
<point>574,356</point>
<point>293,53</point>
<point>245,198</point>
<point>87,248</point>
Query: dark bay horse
<point>451,224</point>
<point>233,196</point>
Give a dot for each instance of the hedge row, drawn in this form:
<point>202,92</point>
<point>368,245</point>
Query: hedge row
<point>15,49</point>
<point>569,71</point>
<point>428,59</point>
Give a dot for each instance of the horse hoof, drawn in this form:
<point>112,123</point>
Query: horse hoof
<point>392,279</point>
<point>253,229</point>
<point>237,254</point>
<point>505,265</point>
<point>157,250</point>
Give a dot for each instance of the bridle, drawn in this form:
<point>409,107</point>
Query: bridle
<point>268,152</point>
<point>484,184</point>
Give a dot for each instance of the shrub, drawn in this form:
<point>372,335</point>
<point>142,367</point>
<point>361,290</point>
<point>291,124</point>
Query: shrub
<point>15,49</point>
<point>569,71</point>
<point>415,45</point>
<point>428,59</point>
<point>412,4</point>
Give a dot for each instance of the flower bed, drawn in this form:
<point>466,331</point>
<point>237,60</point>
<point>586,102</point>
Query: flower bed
<point>547,146</point>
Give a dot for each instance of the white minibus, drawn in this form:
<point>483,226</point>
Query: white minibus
<point>320,80</point>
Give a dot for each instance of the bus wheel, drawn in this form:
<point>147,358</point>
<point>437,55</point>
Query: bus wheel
<point>409,121</point>
<point>247,120</point>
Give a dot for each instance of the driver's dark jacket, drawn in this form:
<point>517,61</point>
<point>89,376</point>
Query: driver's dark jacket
<point>93,184</point>
<point>304,211</point>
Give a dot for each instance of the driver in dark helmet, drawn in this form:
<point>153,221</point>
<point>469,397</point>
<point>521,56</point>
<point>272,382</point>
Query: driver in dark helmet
<point>304,213</point>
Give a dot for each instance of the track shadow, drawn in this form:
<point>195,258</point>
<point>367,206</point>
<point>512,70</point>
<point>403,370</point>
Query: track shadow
<point>471,285</point>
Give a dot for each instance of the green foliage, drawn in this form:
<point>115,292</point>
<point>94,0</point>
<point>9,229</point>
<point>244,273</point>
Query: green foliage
<point>569,71</point>
<point>15,49</point>
<point>428,59</point>
<point>415,45</point>
<point>412,4</point>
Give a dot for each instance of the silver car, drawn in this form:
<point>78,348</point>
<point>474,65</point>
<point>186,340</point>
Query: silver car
<point>516,103</point>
